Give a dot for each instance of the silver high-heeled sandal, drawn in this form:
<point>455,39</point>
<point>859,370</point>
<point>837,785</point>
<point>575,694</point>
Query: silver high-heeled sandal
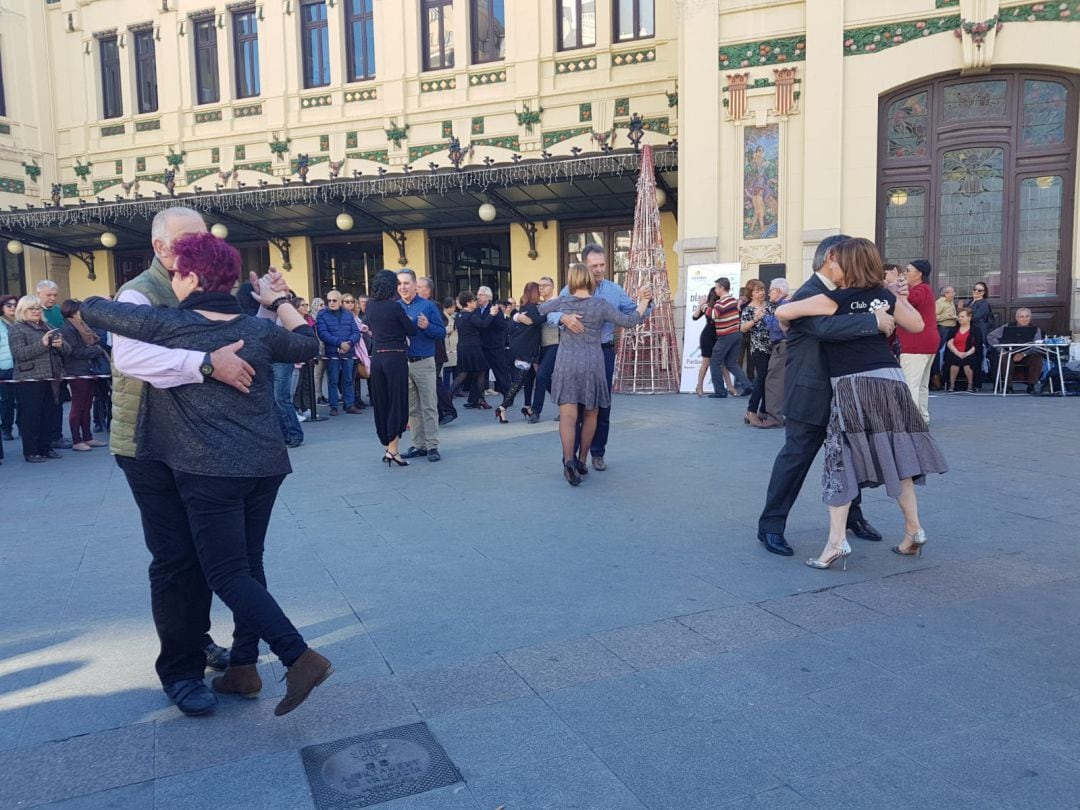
<point>841,554</point>
<point>918,538</point>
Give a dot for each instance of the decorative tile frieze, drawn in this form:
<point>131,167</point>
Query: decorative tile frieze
<point>313,160</point>
<point>874,38</point>
<point>1041,12</point>
<point>148,125</point>
<point>324,143</point>
<point>500,142</point>
<point>946,3</point>
<point>101,185</point>
<point>622,107</point>
<point>152,178</point>
<point>672,99</point>
<point>309,102</point>
<point>262,166</point>
<point>477,126</point>
<point>765,52</point>
<point>192,175</point>
<point>118,167</point>
<point>247,111</point>
<point>351,140</point>
<point>659,124</point>
<point>70,190</point>
<point>447,130</point>
<point>12,186</point>
<point>239,152</point>
<point>207,117</point>
<point>5,129</point>
<point>633,57</point>
<point>585,112</point>
<point>140,164</point>
<point>374,155</point>
<point>112,129</point>
<point>575,65</point>
<point>560,135</point>
<point>215,154</point>
<point>489,77</point>
<point>365,94</point>
<point>417,152</point>
<point>438,85</point>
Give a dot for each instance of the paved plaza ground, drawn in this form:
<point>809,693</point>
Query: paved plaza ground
<point>626,644</point>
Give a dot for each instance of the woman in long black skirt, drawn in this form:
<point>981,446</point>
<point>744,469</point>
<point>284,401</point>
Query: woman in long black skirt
<point>389,384</point>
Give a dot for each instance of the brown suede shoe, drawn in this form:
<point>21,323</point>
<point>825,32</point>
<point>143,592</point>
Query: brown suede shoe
<point>768,422</point>
<point>241,680</point>
<point>307,672</point>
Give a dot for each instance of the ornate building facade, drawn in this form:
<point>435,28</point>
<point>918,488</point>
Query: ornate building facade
<point>483,141</point>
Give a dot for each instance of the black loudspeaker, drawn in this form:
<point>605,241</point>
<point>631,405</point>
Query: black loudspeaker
<point>767,272</point>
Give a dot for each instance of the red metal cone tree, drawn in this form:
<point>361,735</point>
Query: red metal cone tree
<point>647,359</point>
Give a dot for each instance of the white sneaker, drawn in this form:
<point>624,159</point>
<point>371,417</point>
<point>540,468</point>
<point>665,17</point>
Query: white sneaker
<point>302,416</point>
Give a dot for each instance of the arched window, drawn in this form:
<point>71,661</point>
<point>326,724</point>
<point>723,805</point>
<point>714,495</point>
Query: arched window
<point>976,174</point>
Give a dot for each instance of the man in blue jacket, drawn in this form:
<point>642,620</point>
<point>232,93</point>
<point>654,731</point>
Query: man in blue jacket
<point>423,394</point>
<point>339,332</point>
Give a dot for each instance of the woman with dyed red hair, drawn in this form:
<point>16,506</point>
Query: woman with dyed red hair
<point>224,447</point>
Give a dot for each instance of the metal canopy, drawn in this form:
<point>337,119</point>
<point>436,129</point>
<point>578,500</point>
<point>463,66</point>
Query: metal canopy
<point>584,187</point>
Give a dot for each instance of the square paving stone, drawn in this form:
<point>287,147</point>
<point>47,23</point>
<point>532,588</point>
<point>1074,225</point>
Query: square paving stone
<point>555,666</point>
<point>658,644</point>
<point>892,781</point>
<point>378,767</point>
<point>990,765</point>
<point>897,644</point>
<point>256,783</point>
<point>781,798</point>
<point>61,715</point>
<point>77,766</point>
<point>689,767</point>
<point>507,735</point>
<point>465,686</point>
<point>1053,725</point>
<point>431,644</point>
<point>819,612</point>
<point>240,729</point>
<point>130,797</point>
<point>336,709</point>
<point>610,710</point>
<point>740,626</point>
<point>580,782</point>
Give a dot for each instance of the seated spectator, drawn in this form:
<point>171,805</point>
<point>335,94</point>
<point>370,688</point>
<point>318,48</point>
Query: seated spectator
<point>1026,367</point>
<point>945,307</point>
<point>961,351</point>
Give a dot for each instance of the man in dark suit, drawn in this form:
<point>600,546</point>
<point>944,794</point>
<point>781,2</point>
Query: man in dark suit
<point>808,400</point>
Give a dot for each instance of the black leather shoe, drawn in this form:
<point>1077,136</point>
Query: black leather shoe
<point>433,455</point>
<point>217,657</point>
<point>862,529</point>
<point>717,396</point>
<point>776,544</point>
<point>61,444</point>
<point>192,697</point>
<point>446,419</point>
<point>51,454</point>
<point>414,452</point>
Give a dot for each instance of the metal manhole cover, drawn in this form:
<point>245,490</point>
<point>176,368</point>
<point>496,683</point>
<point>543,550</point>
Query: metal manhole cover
<point>377,767</point>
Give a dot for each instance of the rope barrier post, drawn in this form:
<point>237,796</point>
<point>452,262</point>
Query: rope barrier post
<point>313,404</point>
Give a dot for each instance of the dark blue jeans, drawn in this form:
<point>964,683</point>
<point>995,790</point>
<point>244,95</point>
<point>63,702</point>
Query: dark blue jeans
<point>543,376</point>
<point>179,596</point>
<point>603,416</point>
<point>725,354</point>
<point>283,398</point>
<point>339,371</point>
<point>228,519</point>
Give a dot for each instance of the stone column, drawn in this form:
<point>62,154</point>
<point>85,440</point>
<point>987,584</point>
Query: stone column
<point>823,141</point>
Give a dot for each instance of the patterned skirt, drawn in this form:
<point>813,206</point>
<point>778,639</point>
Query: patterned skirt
<point>876,437</point>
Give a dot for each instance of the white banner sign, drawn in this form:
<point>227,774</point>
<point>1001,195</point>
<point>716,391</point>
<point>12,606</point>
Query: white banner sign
<point>699,280</point>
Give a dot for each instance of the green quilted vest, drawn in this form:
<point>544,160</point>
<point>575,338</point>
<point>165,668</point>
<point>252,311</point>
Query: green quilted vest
<point>127,391</point>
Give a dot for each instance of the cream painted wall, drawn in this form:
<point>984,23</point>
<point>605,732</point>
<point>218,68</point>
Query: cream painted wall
<point>522,268</point>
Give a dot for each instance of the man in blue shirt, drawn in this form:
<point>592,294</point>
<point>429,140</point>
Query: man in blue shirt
<point>423,396</point>
<point>594,257</point>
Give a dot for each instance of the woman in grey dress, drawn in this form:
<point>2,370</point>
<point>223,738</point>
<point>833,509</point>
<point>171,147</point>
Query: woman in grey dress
<point>579,382</point>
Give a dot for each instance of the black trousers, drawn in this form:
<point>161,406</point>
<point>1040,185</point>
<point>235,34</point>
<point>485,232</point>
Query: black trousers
<point>793,462</point>
<point>390,394</point>
<point>38,415</point>
<point>445,404</point>
<point>7,401</point>
<point>179,595</point>
<point>228,519</point>
<point>603,415</point>
<point>759,361</point>
<point>500,369</point>
<point>522,379</point>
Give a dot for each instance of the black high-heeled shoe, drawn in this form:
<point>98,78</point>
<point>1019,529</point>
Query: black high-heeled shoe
<point>581,466</point>
<point>526,412</point>
<point>500,414</point>
<point>394,458</point>
<point>570,473</point>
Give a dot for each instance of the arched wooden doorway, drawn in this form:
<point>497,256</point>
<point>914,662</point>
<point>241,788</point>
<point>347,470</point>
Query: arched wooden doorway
<point>977,175</point>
